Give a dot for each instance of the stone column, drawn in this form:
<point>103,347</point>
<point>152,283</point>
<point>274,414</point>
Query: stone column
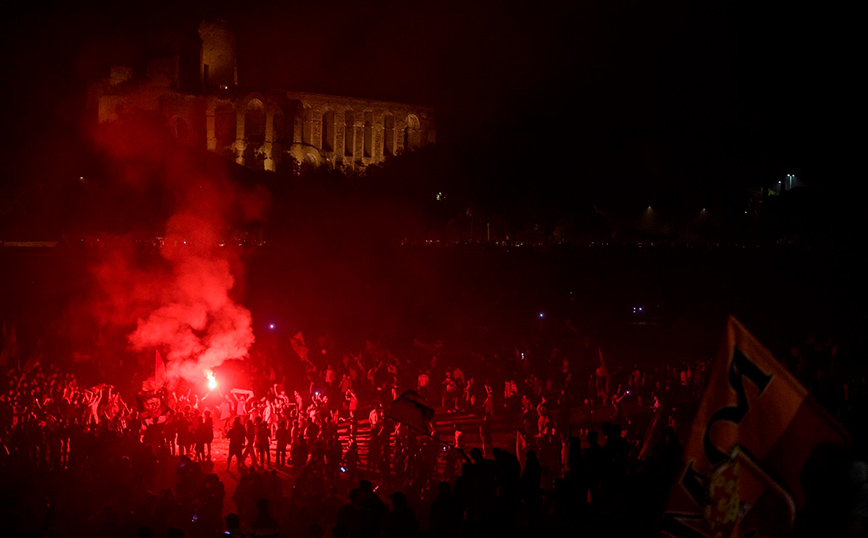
<point>210,128</point>
<point>297,125</point>
<point>399,138</point>
<point>359,146</point>
<point>269,139</point>
<point>379,139</point>
<point>240,140</point>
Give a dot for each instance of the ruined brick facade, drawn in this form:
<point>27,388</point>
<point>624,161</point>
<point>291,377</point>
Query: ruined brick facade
<point>262,129</point>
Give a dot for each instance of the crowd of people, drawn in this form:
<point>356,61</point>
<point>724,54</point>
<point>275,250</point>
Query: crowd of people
<point>529,440</point>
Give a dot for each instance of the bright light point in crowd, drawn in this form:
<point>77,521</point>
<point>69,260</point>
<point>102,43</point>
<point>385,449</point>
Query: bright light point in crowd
<point>271,326</point>
<point>212,381</point>
<point>542,315</point>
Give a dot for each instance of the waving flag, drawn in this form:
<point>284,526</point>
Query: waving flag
<point>157,381</point>
<point>411,410</point>
<point>297,343</point>
<point>159,370</point>
<point>754,433</point>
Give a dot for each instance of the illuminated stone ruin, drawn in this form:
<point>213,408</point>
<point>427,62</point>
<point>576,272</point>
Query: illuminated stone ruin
<point>260,129</point>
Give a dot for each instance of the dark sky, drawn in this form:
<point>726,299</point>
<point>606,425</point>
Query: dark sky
<point>665,91</point>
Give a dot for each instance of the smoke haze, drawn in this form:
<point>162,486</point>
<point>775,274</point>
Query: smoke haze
<point>182,302</point>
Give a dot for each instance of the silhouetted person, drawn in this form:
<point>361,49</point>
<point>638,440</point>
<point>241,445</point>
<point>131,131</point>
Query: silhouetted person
<point>281,437</point>
<point>237,435</point>
<point>208,434</point>
<point>445,513</point>
<point>233,522</point>
<point>264,526</point>
<point>531,478</point>
<point>400,522</point>
<point>372,510</point>
<point>263,440</point>
<point>594,460</point>
<point>200,437</point>
<point>251,443</point>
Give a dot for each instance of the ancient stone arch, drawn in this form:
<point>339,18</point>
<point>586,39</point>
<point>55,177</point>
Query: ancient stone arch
<point>388,134</point>
<point>413,122</point>
<point>180,129</point>
<point>328,130</point>
<point>254,122</point>
<point>258,128</point>
<point>294,113</point>
<point>349,133</point>
<point>224,129</point>
<point>310,158</point>
<point>307,126</point>
<point>279,134</point>
<point>412,133</point>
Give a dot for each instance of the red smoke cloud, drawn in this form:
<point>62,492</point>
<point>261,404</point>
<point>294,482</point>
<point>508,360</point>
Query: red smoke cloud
<point>182,303</point>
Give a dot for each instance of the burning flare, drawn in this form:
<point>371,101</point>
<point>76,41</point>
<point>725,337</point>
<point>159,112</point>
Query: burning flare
<point>212,381</point>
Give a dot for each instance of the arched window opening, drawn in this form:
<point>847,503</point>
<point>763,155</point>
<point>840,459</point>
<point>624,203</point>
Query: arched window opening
<point>388,135</point>
<point>294,113</point>
<point>411,133</point>
<point>254,123</point>
<point>279,126</point>
<point>328,131</point>
<point>307,129</point>
<point>225,126</point>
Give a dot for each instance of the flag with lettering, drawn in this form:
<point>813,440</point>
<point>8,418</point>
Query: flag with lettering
<point>754,434</point>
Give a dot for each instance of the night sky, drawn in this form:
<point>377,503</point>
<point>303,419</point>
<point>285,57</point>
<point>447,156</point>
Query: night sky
<point>652,94</point>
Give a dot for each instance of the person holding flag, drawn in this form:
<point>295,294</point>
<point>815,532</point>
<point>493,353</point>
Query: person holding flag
<point>761,456</point>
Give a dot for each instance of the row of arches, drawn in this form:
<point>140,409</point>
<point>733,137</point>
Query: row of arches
<point>340,134</point>
<point>344,134</point>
